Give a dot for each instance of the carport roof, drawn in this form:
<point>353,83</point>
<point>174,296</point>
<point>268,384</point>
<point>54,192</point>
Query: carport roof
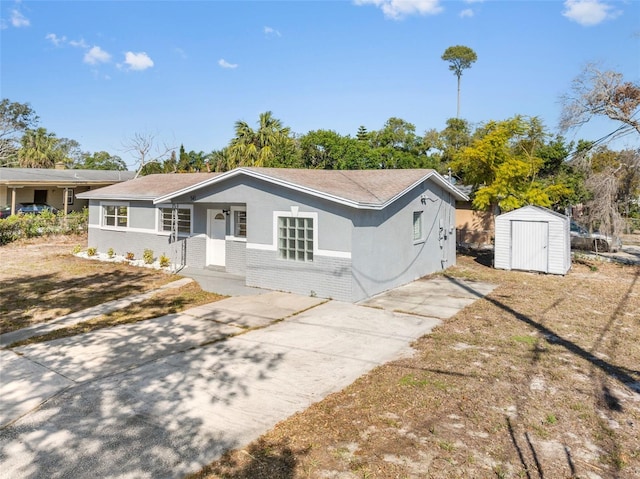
<point>50,176</point>
<point>369,189</point>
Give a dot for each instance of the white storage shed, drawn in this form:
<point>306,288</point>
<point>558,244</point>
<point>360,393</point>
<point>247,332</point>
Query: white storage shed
<point>533,238</point>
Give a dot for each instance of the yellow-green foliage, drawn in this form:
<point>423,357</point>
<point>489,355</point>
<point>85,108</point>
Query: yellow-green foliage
<point>165,261</point>
<point>502,162</point>
<point>147,256</point>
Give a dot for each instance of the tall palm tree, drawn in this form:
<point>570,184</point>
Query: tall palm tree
<point>460,58</point>
<point>39,149</point>
<point>258,147</point>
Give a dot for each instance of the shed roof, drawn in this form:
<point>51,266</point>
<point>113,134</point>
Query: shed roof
<point>530,208</point>
<point>49,176</point>
<point>357,188</point>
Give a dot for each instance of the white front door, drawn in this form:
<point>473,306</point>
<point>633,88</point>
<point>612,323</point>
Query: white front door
<point>216,230</point>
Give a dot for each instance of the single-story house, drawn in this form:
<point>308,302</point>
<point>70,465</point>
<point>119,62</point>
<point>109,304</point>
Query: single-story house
<point>345,235</point>
<point>56,187</point>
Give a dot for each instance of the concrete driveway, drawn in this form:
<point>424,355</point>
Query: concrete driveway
<point>166,396</point>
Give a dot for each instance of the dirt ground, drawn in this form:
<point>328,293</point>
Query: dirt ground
<point>541,379</point>
<point>42,280</point>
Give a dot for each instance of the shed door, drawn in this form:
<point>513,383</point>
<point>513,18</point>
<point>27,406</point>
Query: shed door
<point>530,245</point>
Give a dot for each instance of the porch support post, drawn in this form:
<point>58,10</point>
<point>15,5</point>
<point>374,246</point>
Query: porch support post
<point>13,200</point>
<point>65,200</point>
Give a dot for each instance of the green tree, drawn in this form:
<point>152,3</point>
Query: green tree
<point>100,160</point>
<point>397,134</point>
<point>460,58</point>
<point>220,160</point>
<point>259,147</point>
<point>170,165</point>
<point>183,161</point>
<point>363,134</point>
<point>503,166</point>
<point>15,119</point>
<point>38,149</point>
<point>69,151</point>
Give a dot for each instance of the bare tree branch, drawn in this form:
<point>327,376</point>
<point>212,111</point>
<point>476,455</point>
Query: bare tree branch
<point>601,93</point>
<point>143,147</point>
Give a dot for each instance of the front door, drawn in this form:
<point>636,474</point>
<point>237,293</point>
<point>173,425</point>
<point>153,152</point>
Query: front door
<point>40,196</point>
<point>216,231</point>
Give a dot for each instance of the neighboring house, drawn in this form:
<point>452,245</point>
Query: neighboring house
<point>473,227</point>
<point>56,187</point>
<point>345,235</point>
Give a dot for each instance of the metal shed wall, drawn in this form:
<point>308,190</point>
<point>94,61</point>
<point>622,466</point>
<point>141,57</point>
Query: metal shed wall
<point>520,238</point>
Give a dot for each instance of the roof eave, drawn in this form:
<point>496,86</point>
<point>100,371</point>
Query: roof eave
<point>108,197</point>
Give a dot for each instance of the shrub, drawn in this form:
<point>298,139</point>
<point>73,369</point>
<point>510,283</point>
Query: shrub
<point>147,256</point>
<point>28,226</point>
<point>165,261</point>
<point>92,251</point>
<point>111,253</point>
<point>130,256</point>
<point>76,249</point>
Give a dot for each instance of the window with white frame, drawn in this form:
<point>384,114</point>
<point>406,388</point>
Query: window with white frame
<point>115,215</point>
<point>295,238</point>
<point>417,225</point>
<point>240,223</point>
<point>183,220</point>
<point>70,196</point>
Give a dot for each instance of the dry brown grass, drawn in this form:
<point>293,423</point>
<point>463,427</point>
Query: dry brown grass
<point>539,380</point>
<point>42,280</point>
<point>160,304</point>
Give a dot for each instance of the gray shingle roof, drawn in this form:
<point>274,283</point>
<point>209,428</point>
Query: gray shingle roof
<point>148,187</point>
<point>358,188</point>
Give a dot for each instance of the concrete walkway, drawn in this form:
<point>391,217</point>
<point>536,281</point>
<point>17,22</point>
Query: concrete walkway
<point>163,397</point>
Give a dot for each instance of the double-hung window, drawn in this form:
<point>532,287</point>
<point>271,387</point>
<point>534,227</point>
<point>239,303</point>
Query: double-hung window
<point>295,238</point>
<point>239,224</point>
<point>182,220</point>
<point>115,215</point>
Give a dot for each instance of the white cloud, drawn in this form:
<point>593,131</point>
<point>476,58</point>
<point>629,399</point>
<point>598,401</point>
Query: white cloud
<point>181,52</point>
<point>467,12</point>
<point>398,9</point>
<point>588,12</point>
<point>55,39</point>
<point>268,31</point>
<point>225,64</point>
<point>78,43</point>
<point>96,55</point>
<point>138,61</point>
<point>18,19</point>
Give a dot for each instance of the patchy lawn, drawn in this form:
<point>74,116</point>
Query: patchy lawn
<point>541,379</point>
<point>42,280</point>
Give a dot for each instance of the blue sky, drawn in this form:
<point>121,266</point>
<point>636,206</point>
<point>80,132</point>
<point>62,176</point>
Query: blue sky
<point>99,72</point>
